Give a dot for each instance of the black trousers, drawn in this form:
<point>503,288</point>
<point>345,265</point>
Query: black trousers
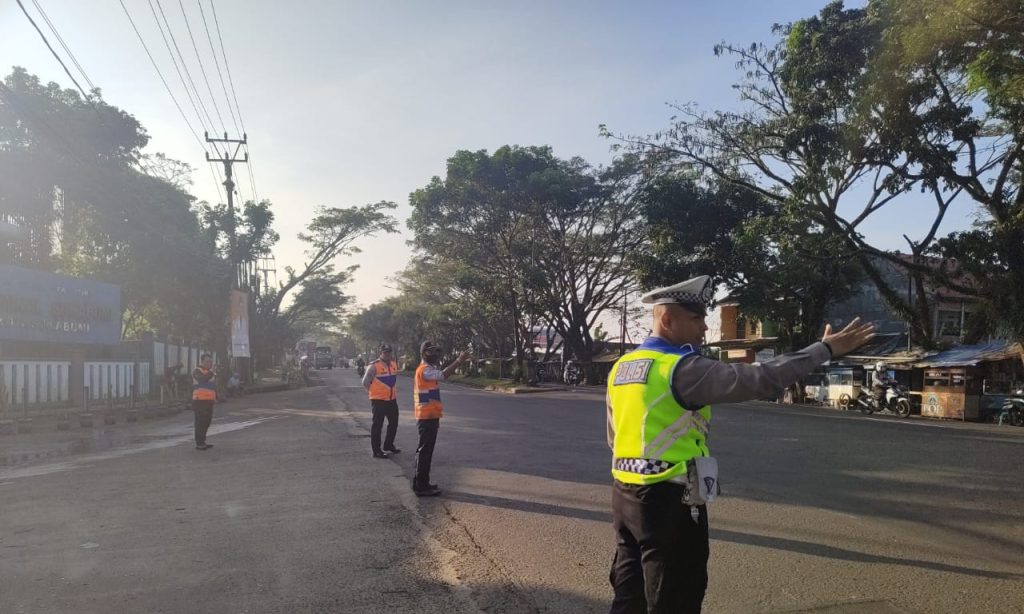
<point>203,411</point>
<point>424,452</point>
<point>661,558</point>
<point>381,410</point>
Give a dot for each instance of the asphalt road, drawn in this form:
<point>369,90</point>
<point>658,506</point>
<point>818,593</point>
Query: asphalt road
<point>288,513</point>
<point>820,508</point>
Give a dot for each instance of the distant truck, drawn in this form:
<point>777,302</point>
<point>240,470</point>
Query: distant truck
<point>323,357</point>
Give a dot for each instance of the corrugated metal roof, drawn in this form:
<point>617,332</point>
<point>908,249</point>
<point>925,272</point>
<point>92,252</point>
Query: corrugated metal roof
<point>970,355</point>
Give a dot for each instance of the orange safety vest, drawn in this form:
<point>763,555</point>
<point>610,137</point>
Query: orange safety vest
<point>382,388</point>
<point>204,391</point>
<point>426,395</point>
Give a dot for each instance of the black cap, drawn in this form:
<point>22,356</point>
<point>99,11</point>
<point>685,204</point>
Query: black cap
<point>427,345</point>
<point>384,347</point>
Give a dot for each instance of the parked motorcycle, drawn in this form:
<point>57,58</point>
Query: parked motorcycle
<point>1013,409</point>
<point>896,401</point>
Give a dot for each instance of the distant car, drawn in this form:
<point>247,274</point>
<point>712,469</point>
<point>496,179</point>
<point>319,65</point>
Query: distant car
<point>323,358</point>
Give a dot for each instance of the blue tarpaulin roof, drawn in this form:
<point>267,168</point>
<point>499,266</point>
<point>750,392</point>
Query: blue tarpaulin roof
<point>970,355</point>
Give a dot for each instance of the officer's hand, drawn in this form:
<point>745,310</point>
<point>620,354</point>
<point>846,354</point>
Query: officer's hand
<point>464,356</point>
<point>850,338</point>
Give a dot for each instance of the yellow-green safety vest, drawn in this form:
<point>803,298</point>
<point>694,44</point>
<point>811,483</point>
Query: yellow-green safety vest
<point>654,434</point>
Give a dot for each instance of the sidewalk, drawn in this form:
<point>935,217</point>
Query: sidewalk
<point>46,442</point>
<point>288,513</point>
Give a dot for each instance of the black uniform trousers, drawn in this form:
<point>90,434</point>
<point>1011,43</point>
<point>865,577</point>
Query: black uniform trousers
<point>661,558</point>
<point>424,452</point>
<point>383,409</point>
<point>203,411</point>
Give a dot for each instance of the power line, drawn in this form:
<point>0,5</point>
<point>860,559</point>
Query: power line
<point>170,92</point>
<point>197,103</point>
<point>50,47</point>
<point>186,79</point>
<point>234,95</point>
<point>216,63</point>
<point>60,39</point>
<point>202,69</point>
<point>161,75</point>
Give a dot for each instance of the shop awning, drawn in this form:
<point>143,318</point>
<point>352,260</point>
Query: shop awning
<point>970,355</point>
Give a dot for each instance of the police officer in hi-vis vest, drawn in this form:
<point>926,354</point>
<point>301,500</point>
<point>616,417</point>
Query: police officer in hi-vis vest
<point>380,381</point>
<point>659,416</point>
<point>426,396</point>
<point>204,395</point>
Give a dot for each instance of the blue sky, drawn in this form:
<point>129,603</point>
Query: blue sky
<point>353,102</point>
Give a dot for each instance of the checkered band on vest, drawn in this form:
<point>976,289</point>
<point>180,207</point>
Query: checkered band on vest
<point>643,466</point>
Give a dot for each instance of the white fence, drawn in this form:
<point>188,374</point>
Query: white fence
<point>114,379</point>
<point>169,355</point>
<point>34,381</point>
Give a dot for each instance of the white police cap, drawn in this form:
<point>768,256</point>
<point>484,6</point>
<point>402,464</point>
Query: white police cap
<point>694,294</point>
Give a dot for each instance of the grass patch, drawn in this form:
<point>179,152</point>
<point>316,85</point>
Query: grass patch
<point>482,382</point>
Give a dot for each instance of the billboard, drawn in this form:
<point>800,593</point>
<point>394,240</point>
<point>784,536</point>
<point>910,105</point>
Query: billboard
<point>43,307</point>
<point>240,324</point>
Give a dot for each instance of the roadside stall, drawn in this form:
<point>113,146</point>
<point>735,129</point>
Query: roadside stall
<point>954,381</point>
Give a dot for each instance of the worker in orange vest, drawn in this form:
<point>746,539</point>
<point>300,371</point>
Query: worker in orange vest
<point>380,381</point>
<point>427,402</point>
<point>204,395</point>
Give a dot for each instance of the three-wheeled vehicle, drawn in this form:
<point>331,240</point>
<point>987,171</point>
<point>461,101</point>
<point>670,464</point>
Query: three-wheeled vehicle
<point>845,384</point>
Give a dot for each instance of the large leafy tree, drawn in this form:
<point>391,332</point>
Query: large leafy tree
<point>546,237</point>
<point>72,174</point>
<point>778,268</point>
<point>311,296</point>
<point>810,142</point>
<point>951,78</point>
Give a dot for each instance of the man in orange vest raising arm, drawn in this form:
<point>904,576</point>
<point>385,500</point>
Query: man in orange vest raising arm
<point>204,395</point>
<point>380,382</point>
<point>426,397</point>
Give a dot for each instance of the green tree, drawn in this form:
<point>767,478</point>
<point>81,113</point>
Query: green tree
<point>331,234</point>
<point>778,268</point>
<point>810,142</point>
<point>951,78</point>
<point>545,237</point>
<point>72,173</point>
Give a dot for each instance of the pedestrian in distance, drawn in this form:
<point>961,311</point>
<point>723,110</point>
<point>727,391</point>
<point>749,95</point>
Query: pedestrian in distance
<point>428,410</point>
<point>380,381</point>
<point>204,396</point>
<point>659,415</point>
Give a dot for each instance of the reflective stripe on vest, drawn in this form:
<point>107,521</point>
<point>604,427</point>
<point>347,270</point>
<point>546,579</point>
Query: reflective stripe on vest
<point>382,388</point>
<point>426,396</point>
<point>204,391</point>
<point>654,435</point>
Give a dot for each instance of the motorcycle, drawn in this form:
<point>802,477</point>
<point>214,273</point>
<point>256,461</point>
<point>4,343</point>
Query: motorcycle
<point>573,375</point>
<point>895,401</point>
<point>1013,409</point>
<point>360,369</point>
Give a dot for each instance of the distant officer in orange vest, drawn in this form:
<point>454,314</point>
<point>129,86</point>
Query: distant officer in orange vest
<point>204,395</point>
<point>380,382</point>
<point>427,402</point>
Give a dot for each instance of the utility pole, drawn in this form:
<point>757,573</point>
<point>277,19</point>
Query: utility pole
<point>229,186</point>
<point>245,365</point>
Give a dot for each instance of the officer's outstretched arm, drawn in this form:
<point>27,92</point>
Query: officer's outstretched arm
<point>700,381</point>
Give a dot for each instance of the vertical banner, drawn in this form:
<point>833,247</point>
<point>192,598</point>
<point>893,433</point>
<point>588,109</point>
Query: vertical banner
<point>240,324</point>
